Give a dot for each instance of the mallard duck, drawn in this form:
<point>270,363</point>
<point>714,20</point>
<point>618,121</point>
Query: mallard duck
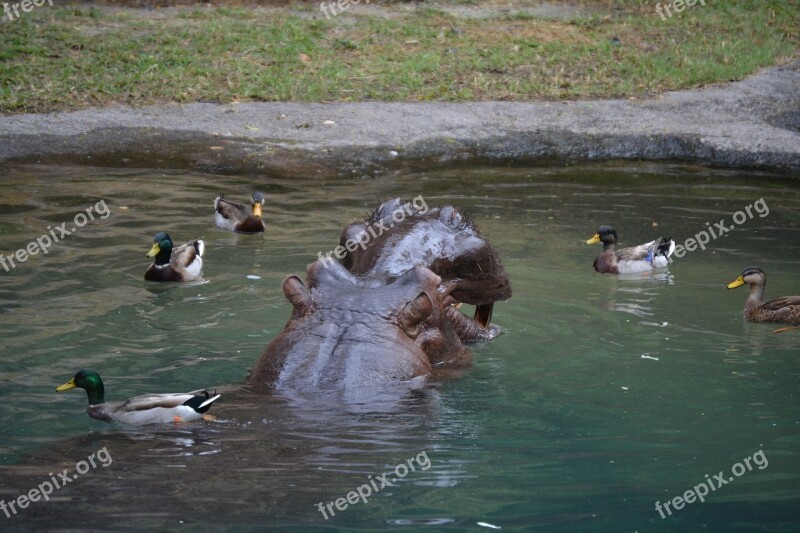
<point>140,410</point>
<point>237,217</point>
<point>784,310</point>
<point>633,260</point>
<point>185,264</point>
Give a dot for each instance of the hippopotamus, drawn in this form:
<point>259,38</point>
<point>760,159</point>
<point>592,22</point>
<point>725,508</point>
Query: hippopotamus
<point>388,313</point>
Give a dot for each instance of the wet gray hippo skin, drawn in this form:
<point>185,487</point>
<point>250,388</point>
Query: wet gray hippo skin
<point>399,235</point>
<point>388,313</point>
<point>350,334</point>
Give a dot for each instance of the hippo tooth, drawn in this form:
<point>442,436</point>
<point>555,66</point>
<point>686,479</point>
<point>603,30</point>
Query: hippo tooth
<point>483,314</point>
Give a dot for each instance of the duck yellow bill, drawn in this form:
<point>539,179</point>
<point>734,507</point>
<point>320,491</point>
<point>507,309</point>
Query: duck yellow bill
<point>66,386</point>
<point>154,250</point>
<point>594,239</point>
<point>738,283</point>
<point>257,210</point>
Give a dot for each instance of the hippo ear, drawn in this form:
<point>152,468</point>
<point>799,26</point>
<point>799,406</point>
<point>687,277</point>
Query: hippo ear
<point>414,313</point>
<point>450,216</point>
<point>387,209</point>
<point>297,294</point>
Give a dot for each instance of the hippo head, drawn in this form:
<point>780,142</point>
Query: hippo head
<point>398,236</point>
<point>347,333</point>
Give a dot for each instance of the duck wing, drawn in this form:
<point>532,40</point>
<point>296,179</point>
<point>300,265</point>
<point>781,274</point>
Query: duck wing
<point>187,254</point>
<point>635,253</point>
<point>230,211</point>
<point>782,303</point>
<point>153,401</point>
<point>649,251</point>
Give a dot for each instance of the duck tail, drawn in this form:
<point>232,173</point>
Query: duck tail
<point>665,247</point>
<point>661,247</point>
<point>202,402</point>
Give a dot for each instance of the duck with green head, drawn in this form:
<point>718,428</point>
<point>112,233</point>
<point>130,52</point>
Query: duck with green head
<point>237,217</point>
<point>183,263</point>
<point>633,260</point>
<point>140,410</point>
<point>784,310</point>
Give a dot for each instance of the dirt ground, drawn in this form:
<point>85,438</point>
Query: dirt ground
<point>537,8</point>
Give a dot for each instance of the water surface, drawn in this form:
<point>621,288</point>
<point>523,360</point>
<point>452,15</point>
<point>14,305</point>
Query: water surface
<point>604,395</point>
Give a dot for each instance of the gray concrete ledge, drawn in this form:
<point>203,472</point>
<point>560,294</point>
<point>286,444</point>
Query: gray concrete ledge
<point>754,123</point>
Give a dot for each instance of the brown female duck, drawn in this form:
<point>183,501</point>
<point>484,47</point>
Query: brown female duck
<point>784,310</point>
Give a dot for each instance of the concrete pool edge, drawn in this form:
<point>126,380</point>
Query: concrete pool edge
<point>751,124</point>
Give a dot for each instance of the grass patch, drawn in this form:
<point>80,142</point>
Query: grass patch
<point>57,58</point>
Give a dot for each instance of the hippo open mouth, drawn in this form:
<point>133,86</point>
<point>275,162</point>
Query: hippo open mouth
<point>442,239</point>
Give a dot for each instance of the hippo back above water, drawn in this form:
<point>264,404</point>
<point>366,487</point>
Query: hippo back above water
<point>348,333</point>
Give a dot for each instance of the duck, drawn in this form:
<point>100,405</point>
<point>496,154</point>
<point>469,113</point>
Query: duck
<point>237,217</point>
<point>785,310</point>
<point>633,260</point>
<point>183,263</point>
<point>141,410</point>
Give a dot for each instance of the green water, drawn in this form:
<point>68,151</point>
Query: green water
<point>603,396</point>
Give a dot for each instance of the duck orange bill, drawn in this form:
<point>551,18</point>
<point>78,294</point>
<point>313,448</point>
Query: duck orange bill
<point>66,386</point>
<point>738,283</point>
<point>483,314</point>
<point>154,250</point>
<point>257,210</point>
<point>594,239</point>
